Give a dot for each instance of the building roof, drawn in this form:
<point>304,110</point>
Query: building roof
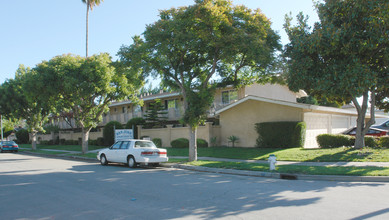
<point>307,107</point>
<point>147,98</point>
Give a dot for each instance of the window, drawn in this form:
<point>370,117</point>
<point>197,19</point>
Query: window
<point>137,109</point>
<point>229,96</point>
<point>116,145</point>
<point>125,145</point>
<point>172,104</point>
<point>124,110</point>
<point>147,144</point>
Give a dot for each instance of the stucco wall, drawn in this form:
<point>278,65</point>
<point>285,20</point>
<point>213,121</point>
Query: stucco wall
<point>240,120</point>
<point>168,134</point>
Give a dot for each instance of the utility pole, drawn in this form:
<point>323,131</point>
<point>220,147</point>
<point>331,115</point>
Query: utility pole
<point>1,119</point>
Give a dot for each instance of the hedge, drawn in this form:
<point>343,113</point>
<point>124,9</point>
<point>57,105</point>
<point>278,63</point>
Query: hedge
<point>22,136</point>
<point>280,134</point>
<point>334,140</point>
<point>337,140</point>
<point>135,122</point>
<point>157,142</point>
<point>108,133</point>
<point>184,143</point>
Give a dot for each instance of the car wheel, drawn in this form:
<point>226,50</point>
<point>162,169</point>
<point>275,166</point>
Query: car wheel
<point>103,160</point>
<point>131,162</point>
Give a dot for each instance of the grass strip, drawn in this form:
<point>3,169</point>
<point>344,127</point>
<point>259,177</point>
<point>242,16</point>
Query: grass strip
<point>295,169</point>
<point>346,154</point>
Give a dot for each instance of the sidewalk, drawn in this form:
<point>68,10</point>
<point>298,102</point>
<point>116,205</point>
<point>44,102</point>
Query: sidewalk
<point>356,164</point>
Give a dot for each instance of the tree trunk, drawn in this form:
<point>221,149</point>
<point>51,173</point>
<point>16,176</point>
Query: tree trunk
<point>192,143</point>
<point>85,138</point>
<point>33,140</point>
<point>362,128</point>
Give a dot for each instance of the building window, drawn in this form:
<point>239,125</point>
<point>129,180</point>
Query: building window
<point>229,96</point>
<point>137,109</point>
<point>172,104</point>
<point>124,110</point>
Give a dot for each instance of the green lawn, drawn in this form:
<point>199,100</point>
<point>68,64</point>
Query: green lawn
<point>294,169</point>
<point>292,154</point>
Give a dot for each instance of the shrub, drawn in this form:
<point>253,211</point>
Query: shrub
<point>157,142</point>
<point>68,142</point>
<point>108,133</point>
<point>202,143</point>
<point>334,140</point>
<point>370,142</point>
<point>383,142</point>
<point>184,143</point>
<point>22,136</point>
<point>280,134</point>
<point>100,141</point>
<point>62,141</point>
<point>135,122</point>
<point>180,143</point>
<point>233,139</point>
<point>92,142</point>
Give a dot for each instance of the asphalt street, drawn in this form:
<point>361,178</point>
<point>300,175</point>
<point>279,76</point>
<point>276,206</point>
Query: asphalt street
<point>33,187</point>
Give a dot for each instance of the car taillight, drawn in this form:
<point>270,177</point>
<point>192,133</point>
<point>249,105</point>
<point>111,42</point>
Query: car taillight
<point>15,146</point>
<point>150,153</point>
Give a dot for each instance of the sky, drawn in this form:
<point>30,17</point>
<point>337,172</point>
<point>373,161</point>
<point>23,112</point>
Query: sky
<point>33,31</point>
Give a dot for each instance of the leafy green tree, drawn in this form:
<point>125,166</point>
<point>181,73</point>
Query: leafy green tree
<point>89,5</point>
<point>26,102</point>
<point>345,55</point>
<point>189,46</point>
<point>156,115</point>
<point>86,86</point>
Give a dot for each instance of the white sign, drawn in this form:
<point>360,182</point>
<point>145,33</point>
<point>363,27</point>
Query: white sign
<point>121,134</point>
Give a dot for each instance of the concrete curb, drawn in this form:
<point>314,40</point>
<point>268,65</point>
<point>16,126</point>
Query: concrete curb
<point>273,175</point>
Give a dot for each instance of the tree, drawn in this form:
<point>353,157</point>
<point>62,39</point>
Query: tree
<point>189,46</point>
<point>156,115</point>
<point>89,5</point>
<point>344,57</point>
<point>26,102</point>
<point>86,86</point>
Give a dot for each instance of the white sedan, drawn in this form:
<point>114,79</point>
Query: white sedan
<point>132,153</point>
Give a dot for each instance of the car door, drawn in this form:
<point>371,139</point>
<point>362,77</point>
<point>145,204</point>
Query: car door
<point>122,152</point>
<point>112,153</point>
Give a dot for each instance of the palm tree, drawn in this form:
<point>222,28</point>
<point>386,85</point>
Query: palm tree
<point>89,5</point>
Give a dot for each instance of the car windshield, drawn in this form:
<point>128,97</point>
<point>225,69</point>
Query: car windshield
<point>147,144</point>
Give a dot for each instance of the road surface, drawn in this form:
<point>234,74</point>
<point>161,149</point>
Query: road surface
<point>33,187</point>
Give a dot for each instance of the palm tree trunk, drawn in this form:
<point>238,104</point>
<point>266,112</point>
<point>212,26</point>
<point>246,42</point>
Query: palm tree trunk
<point>87,15</point>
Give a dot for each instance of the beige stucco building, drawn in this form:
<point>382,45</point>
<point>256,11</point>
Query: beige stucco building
<point>233,112</point>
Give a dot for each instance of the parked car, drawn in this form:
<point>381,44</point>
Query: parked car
<point>371,132</point>
<point>132,153</point>
<point>382,126</point>
<point>9,146</point>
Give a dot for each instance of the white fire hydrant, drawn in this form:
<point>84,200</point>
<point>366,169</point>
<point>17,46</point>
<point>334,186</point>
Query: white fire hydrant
<point>272,161</point>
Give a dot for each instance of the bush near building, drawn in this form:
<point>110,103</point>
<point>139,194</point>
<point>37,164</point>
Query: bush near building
<point>108,133</point>
<point>280,134</point>
<point>184,143</point>
<point>22,136</point>
<point>338,140</point>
